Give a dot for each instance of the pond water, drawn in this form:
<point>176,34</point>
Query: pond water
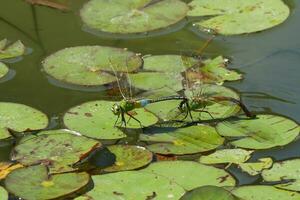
<point>269,61</point>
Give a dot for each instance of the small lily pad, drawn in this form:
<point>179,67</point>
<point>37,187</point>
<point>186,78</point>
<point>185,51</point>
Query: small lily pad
<point>132,16</point>
<point>235,156</point>
<point>193,139</point>
<point>7,167</point>
<point>89,65</point>
<point>128,157</point>
<point>58,149</point>
<point>230,17</point>
<point>20,118</point>
<point>263,132</point>
<point>35,183</point>
<point>263,192</point>
<point>3,194</point>
<point>156,80</point>
<point>254,168</point>
<point>96,120</point>
<point>284,170</point>
<point>11,51</point>
<point>190,175</point>
<point>3,69</point>
<point>209,193</point>
<point>133,185</point>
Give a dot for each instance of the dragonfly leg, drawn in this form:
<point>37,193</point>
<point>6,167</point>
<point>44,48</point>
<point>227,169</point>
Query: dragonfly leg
<point>189,111</point>
<point>131,116</point>
<point>117,120</point>
<point>123,118</point>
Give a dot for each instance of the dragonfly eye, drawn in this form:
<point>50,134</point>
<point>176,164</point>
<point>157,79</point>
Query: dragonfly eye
<point>116,109</point>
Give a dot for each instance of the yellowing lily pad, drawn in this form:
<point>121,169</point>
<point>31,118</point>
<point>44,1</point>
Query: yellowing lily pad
<point>35,183</point>
<point>133,185</point>
<point>209,193</point>
<point>193,139</point>
<point>3,69</point>
<point>58,149</point>
<point>129,157</point>
<point>235,156</point>
<point>263,132</point>
<point>132,16</point>
<point>230,17</point>
<point>11,51</point>
<point>254,168</point>
<point>96,120</point>
<point>89,65</point>
<point>263,192</point>
<point>3,194</point>
<point>190,174</point>
<point>284,170</point>
<point>7,167</point>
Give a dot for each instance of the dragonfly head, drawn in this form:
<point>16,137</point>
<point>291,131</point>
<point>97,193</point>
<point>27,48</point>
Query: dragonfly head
<point>116,109</point>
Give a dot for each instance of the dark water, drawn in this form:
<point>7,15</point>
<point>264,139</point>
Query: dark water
<point>269,60</point>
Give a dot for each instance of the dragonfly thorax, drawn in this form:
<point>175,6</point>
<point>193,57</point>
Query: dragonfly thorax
<point>123,106</point>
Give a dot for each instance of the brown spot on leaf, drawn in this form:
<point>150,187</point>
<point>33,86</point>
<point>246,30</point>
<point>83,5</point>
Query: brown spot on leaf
<point>88,114</point>
<point>117,193</point>
<point>152,196</point>
<point>72,113</point>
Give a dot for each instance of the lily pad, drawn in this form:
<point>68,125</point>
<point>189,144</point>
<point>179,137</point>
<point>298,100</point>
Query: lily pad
<point>254,168</point>
<point>156,80</point>
<point>262,192</point>
<point>20,118</point>
<point>7,167</point>
<point>96,120</point>
<point>263,132</point>
<point>88,65</point>
<point>128,157</point>
<point>133,185</point>
<point>58,149</point>
<point>3,194</point>
<point>11,51</point>
<point>35,183</point>
<point>235,156</point>
<point>132,16</point>
<point>230,17</point>
<point>285,170</point>
<point>209,193</point>
<point>193,139</point>
<point>217,109</point>
<point>3,69</point>
<point>190,175</point>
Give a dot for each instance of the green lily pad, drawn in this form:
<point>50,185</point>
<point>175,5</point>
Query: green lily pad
<point>132,16</point>
<point>20,118</point>
<point>128,157</point>
<point>217,109</point>
<point>235,156</point>
<point>209,193</point>
<point>230,17</point>
<point>3,194</point>
<point>35,183</point>
<point>11,51</point>
<point>156,80</point>
<point>284,170</point>
<point>255,168</point>
<point>263,132</point>
<point>59,149</point>
<point>133,185</point>
<point>193,139</point>
<point>262,192</point>
<point>96,120</point>
<point>88,65</point>
<point>3,69</point>
<point>190,175</point>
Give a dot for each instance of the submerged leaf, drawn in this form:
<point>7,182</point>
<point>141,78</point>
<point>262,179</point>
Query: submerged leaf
<point>235,156</point>
<point>133,185</point>
<point>3,194</point>
<point>7,167</point>
<point>132,16</point>
<point>284,171</point>
<point>254,168</point>
<point>188,140</point>
<point>35,183</point>
<point>190,174</point>
<point>3,69</point>
<point>263,132</point>
<point>14,50</point>
<point>88,65</point>
<point>58,149</point>
<point>230,17</point>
